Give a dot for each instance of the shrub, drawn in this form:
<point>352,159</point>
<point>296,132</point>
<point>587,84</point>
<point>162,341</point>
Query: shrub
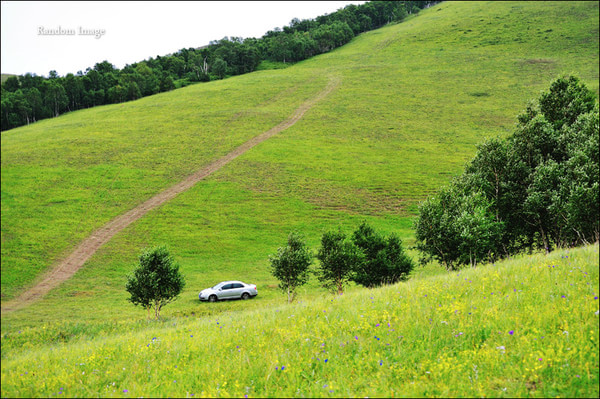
<point>383,259</point>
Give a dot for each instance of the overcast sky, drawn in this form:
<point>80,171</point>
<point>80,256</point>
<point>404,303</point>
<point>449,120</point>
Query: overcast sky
<point>132,31</point>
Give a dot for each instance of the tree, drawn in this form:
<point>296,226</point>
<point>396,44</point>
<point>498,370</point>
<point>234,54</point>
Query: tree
<point>166,83</point>
<point>383,259</point>
<point>338,257</point>
<point>219,68</point>
<point>457,228</point>
<point>537,189</point>
<point>56,97</point>
<point>291,265</point>
<point>156,281</point>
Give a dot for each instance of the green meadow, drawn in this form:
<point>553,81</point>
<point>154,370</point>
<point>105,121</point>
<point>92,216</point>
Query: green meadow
<point>413,101</point>
<point>527,327</point>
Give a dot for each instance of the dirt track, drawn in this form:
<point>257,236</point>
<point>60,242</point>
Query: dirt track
<point>69,266</point>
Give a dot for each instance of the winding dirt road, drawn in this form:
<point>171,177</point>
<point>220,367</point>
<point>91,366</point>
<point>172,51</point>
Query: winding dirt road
<point>69,266</point>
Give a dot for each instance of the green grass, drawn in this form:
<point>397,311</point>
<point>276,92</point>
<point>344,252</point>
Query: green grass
<point>427,89</point>
<point>414,100</point>
<point>266,65</point>
<point>523,327</point>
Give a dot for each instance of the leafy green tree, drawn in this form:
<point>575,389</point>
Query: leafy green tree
<point>55,96</point>
<point>166,83</point>
<point>156,281</point>
<point>133,91</point>
<point>291,265</point>
<point>538,156</point>
<point>458,228</point>
<point>146,79</point>
<point>537,189</point>
<point>117,94</point>
<point>338,257</point>
<point>383,260</point>
<point>11,84</point>
<point>219,68</point>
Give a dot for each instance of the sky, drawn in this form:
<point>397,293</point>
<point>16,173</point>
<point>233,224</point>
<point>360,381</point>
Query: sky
<point>131,31</point>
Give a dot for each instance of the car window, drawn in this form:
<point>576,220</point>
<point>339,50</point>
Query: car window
<point>227,286</point>
<point>238,285</point>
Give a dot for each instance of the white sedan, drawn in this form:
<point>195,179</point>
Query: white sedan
<point>228,290</point>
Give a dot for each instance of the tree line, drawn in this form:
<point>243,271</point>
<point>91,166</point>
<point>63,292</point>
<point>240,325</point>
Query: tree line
<point>537,189</point>
<point>29,98</point>
<point>366,257</point>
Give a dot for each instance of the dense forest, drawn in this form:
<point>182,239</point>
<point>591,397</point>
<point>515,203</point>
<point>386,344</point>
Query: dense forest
<point>29,98</point>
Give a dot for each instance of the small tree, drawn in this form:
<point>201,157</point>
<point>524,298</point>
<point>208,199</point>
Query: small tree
<point>291,265</point>
<point>156,281</point>
<point>338,257</point>
<point>384,260</point>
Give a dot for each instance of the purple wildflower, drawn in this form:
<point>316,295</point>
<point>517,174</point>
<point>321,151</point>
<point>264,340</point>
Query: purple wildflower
<point>511,332</point>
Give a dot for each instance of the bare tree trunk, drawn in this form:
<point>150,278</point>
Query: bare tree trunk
<point>545,240</point>
<point>157,310</point>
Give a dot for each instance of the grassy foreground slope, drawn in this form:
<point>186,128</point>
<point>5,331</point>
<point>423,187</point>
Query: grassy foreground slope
<point>527,327</point>
<point>414,100</point>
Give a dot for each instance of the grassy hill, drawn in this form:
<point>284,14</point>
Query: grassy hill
<point>427,89</point>
<point>527,327</point>
<point>413,101</point>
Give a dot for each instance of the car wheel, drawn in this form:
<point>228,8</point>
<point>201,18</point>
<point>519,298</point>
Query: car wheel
<point>212,298</point>
<point>245,296</point>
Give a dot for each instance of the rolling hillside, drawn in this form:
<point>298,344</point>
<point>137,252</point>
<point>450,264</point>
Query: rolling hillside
<point>412,102</point>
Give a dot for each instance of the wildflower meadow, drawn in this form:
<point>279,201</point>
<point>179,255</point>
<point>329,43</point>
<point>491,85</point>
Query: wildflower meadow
<point>524,327</point>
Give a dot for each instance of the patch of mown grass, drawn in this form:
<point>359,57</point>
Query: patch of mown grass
<point>522,327</point>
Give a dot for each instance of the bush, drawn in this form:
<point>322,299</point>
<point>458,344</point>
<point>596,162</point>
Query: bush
<point>383,260</point>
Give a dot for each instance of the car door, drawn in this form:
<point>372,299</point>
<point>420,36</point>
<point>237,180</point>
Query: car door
<point>225,292</point>
<point>236,290</point>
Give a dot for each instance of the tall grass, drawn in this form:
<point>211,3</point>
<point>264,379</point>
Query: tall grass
<point>523,327</point>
